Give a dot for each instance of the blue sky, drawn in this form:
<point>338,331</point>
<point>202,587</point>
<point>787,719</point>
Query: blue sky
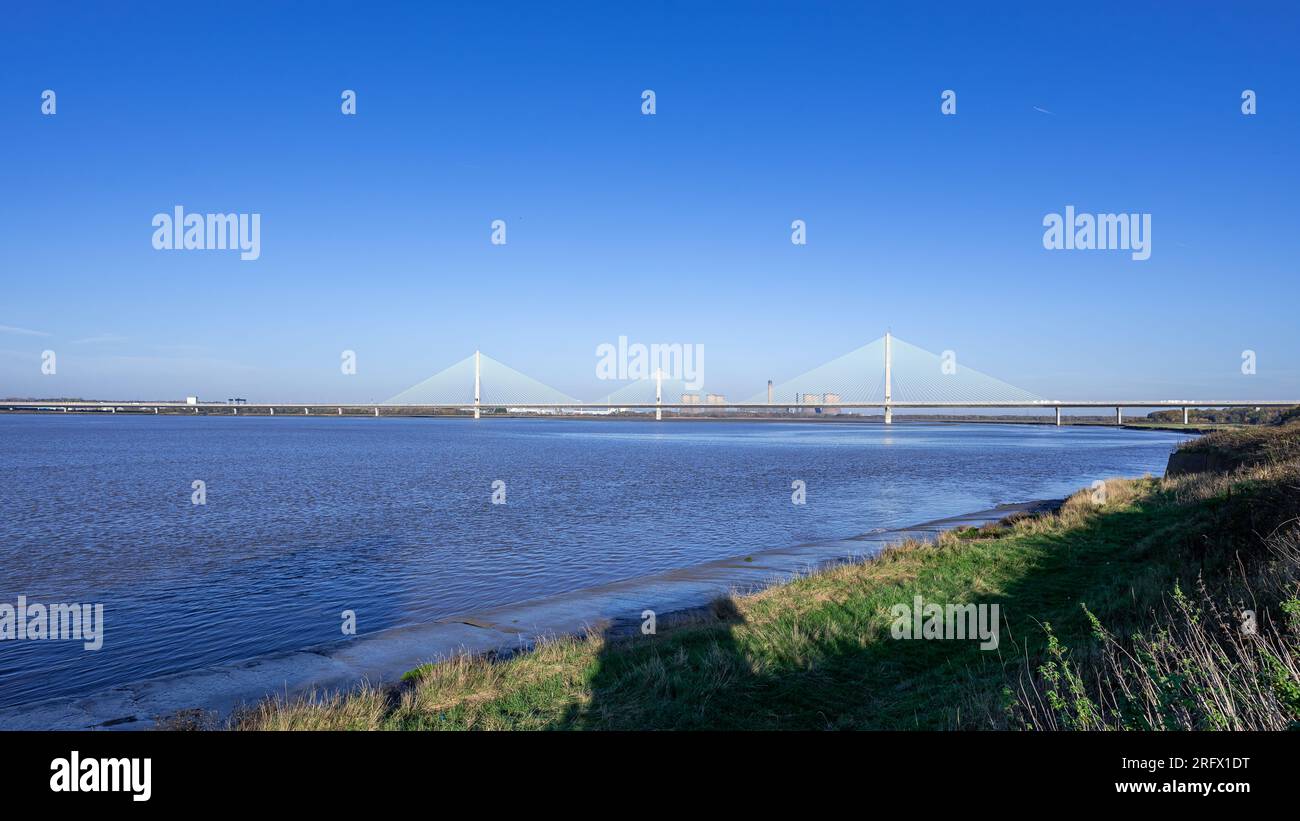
<point>666,228</point>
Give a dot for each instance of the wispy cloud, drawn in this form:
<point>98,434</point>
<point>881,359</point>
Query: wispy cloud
<point>99,340</point>
<point>1044,111</point>
<point>10,329</point>
<point>186,349</point>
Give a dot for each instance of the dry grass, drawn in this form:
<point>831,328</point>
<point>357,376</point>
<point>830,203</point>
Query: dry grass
<point>362,709</point>
<point>1226,658</point>
<point>1252,446</point>
<point>1199,670</point>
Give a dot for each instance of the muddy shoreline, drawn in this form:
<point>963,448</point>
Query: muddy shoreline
<point>382,658</point>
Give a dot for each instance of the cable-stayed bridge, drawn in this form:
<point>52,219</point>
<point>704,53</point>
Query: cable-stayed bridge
<point>887,374</point>
<point>482,380</point>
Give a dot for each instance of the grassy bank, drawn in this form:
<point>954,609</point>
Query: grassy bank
<point>1123,610</point>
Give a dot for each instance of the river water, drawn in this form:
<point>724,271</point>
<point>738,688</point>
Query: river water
<point>393,518</point>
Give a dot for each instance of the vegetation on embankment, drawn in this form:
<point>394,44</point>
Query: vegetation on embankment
<point>1125,609</point>
<point>1204,417</point>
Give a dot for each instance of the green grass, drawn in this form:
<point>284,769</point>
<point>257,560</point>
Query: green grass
<point>816,653</point>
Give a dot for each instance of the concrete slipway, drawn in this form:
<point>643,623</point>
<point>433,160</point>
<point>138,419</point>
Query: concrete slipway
<point>385,656</point>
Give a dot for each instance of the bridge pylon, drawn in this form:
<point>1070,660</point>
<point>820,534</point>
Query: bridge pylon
<point>889,408</point>
<point>659,394</point>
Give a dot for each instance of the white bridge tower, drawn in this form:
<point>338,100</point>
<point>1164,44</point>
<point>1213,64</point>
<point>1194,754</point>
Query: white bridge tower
<point>889,408</point>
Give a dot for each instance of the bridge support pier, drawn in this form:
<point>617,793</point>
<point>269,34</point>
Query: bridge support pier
<point>340,411</point>
<point>376,411</point>
<point>889,415</point>
<point>1119,416</point>
<point>1058,416</point>
<point>1184,416</point>
<point>306,412</point>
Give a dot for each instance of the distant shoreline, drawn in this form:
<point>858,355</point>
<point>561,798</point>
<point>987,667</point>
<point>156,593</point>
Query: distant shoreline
<point>418,412</point>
